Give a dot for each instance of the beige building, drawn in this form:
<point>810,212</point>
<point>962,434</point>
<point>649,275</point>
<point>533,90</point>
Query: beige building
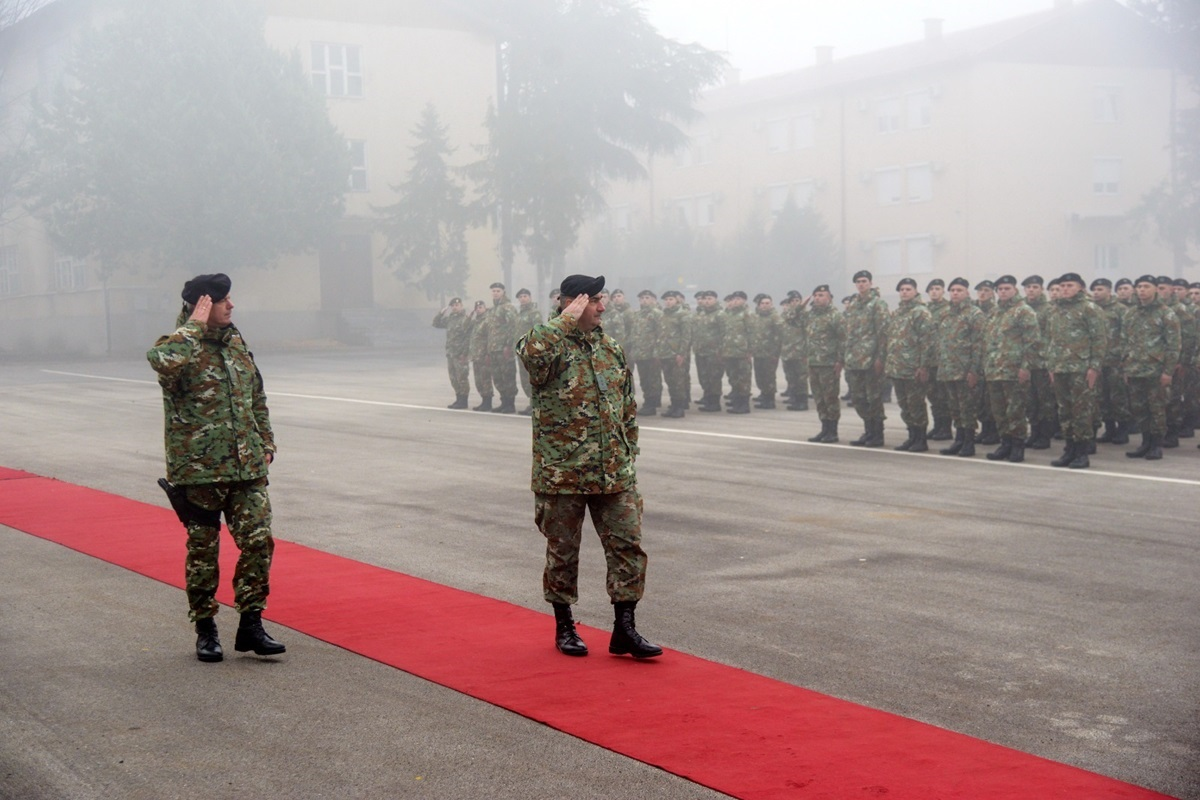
<point>378,62</point>
<point>1018,147</point>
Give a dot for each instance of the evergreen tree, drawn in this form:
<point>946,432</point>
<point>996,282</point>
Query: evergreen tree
<point>800,250</point>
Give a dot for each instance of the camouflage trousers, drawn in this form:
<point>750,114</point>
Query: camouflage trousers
<point>738,369</point>
<point>1113,396</point>
<point>939,398</point>
<point>910,395</point>
<point>963,410</point>
<point>795,372</point>
<point>483,377</point>
<point>650,380</point>
<point>460,374</point>
<point>1008,400</point>
<point>710,371</point>
<point>1176,400</point>
<point>247,510</point>
<point>866,393</point>
<point>1191,393</point>
<point>504,373</point>
<point>678,382</point>
<point>825,387</point>
<point>1148,404</point>
<point>618,521</point>
<point>1042,404</point>
<point>1076,406</point>
<point>766,369</point>
<point>983,401</point>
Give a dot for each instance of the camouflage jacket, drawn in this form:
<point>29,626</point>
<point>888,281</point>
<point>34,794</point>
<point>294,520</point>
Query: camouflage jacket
<point>1012,340</point>
<point>794,337</point>
<point>988,307</point>
<point>479,335</point>
<point>615,322</point>
<point>1189,336</point>
<point>1043,309</point>
<point>585,434</point>
<point>1114,316</point>
<point>909,340</point>
<point>960,342</point>
<point>501,322</point>
<point>1150,340</point>
<point>675,336</point>
<point>826,333</point>
<point>644,331</point>
<point>217,429</point>
<point>1078,336</point>
<point>866,331</point>
<point>708,325</point>
<point>735,333</point>
<point>766,334</point>
<point>528,316</point>
<point>937,310</point>
<point>458,333</point>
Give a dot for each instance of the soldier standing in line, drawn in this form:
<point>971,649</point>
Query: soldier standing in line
<point>765,346</point>
<point>1124,290</point>
<point>735,352</point>
<point>1187,337</point>
<point>1113,392</point>
<point>453,319</point>
<point>502,336</point>
<point>584,394</point>
<point>1075,351</point>
<point>866,344</point>
<point>642,348</point>
<point>480,363</point>
<point>960,364</point>
<point>792,351</point>
<point>1189,318</point>
<point>528,315</point>
<point>1151,343</point>
<point>1041,408</point>
<point>616,322</point>
<point>826,337</point>
<point>1012,343</point>
<point>219,447</point>
<point>707,333</point>
<point>675,343</point>
<point>985,300</point>
<point>909,352</point>
<point>939,400</point>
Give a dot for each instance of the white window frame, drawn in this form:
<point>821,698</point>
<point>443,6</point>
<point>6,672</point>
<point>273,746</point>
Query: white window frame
<point>70,274</point>
<point>1106,175</point>
<point>889,256</point>
<point>357,181</point>
<point>918,179</point>
<point>804,131</point>
<point>1106,257</point>
<point>887,114</point>
<point>919,109</point>
<point>1106,104</point>
<point>918,253</point>
<point>889,186</point>
<point>10,270</point>
<point>337,69</point>
<point>779,135</point>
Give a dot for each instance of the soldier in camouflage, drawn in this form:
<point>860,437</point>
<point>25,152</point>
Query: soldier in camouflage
<point>1174,296</point>
<point>643,348</point>
<point>1076,344</point>
<point>1113,392</point>
<point>985,300</point>
<point>1012,343</point>
<point>675,346</point>
<point>1042,409</point>
<point>766,340</point>
<point>707,332</point>
<point>501,336</point>
<point>960,364</point>
<point>1124,291</point>
<point>939,400</point>
<point>826,336</point>
<point>910,350</point>
<point>477,325</point>
<point>528,316</point>
<point>616,319</point>
<point>453,320</point>
<point>1151,344</point>
<point>792,351</point>
<point>866,348</point>
<point>735,352</point>
<point>219,445</point>
<point>585,440</point>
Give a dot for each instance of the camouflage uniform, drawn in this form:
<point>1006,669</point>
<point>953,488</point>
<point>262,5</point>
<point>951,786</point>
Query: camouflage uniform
<point>479,356</point>
<point>501,336</point>
<point>707,332</point>
<point>458,349</point>
<point>735,353</point>
<point>766,334</point>
<point>1151,344</point>
<point>528,316</point>
<point>1113,391</point>
<point>616,322</point>
<point>866,344</point>
<point>1189,338</point>
<point>675,347</point>
<point>1190,377</point>
<point>644,352</point>
<point>218,438</point>
<point>1077,341</point>
<point>939,398</point>
<point>910,348</point>
<point>585,440</point>
<point>1012,342</point>
<point>792,351</point>
<point>826,335</point>
<point>960,351</point>
<point>1042,408</point>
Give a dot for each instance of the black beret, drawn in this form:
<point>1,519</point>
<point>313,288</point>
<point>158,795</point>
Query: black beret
<point>1073,277</point>
<point>454,300</point>
<point>985,284</point>
<point>497,285</point>
<point>1124,282</point>
<point>906,282</point>
<point>1181,282</point>
<point>1150,279</point>
<point>523,292</point>
<point>862,273</point>
<point>728,297</point>
<point>647,293</point>
<point>936,282</point>
<point>960,282</point>
<point>480,304</point>
<point>824,287</point>
<point>1050,284</point>
<point>1163,279</point>
<point>555,294</point>
<point>740,295</point>
<point>672,293</point>
<point>700,294</point>
<point>794,293</point>
<point>1101,282</point>
<point>758,298</point>
<point>215,286</point>
<point>848,299</point>
<point>1006,279</point>
<point>575,285</point>
<point>1033,280</point>
<point>1195,285</point>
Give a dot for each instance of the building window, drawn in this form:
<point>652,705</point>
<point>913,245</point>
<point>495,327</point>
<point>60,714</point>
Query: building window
<point>10,283</point>
<point>681,208</point>
<point>70,274</point>
<point>1105,108</point>
<point>920,182</point>
<point>889,256</point>
<point>1106,258</point>
<point>777,197</point>
<point>337,69</point>
<point>920,253</point>
<point>1106,175</point>
<point>805,131</point>
<point>802,193</point>
<point>358,165</point>
<point>697,151</point>
<point>706,207</point>
<point>779,135</point>
<point>888,186</point>
<point>887,114</point>
<point>920,109</point>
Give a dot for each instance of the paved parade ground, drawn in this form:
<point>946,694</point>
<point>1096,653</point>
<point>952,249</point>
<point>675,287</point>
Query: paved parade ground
<point>1047,610</point>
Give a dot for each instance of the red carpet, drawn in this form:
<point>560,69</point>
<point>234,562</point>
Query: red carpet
<point>739,733</point>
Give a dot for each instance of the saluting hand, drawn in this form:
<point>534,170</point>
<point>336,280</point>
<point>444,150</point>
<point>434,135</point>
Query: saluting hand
<point>202,310</point>
<point>575,307</point>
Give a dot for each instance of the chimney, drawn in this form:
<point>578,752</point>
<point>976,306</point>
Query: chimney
<point>824,54</point>
<point>933,29</point>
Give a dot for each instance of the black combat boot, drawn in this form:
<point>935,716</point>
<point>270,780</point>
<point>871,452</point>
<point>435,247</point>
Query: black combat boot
<point>989,435</point>
<point>1155,451</point>
<point>625,638</point>
<point>507,405</point>
<point>740,404</point>
<point>1146,446</point>
<point>832,436</point>
<point>1068,455</point>
<point>1121,433</point>
<point>941,431</point>
<point>1017,455</point>
<point>1110,431</point>
<point>919,444</point>
<point>485,404</point>
<point>876,437</point>
<point>907,443</point>
<point>765,402</point>
<point>1039,437</point>
<point>460,401</point>
<point>674,412</point>
<point>866,434</point>
<point>1171,439</point>
<point>968,446</point>
<point>208,646</point>
<point>1003,451</point>
<point>953,449</point>
<point>251,636</point>
<point>566,638</point>
<point>1080,461</point>
<point>798,403</point>
<point>709,403</point>
<point>1089,447</point>
<point>820,437</point>
<point>648,411</point>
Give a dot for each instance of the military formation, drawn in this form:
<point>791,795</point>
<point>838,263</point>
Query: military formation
<point>1019,365</point>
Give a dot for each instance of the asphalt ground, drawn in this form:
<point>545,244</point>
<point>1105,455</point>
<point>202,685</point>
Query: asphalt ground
<point>1048,610</point>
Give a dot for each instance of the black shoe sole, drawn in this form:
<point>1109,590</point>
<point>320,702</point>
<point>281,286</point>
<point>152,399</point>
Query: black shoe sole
<point>210,659</point>
<point>635,655</point>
